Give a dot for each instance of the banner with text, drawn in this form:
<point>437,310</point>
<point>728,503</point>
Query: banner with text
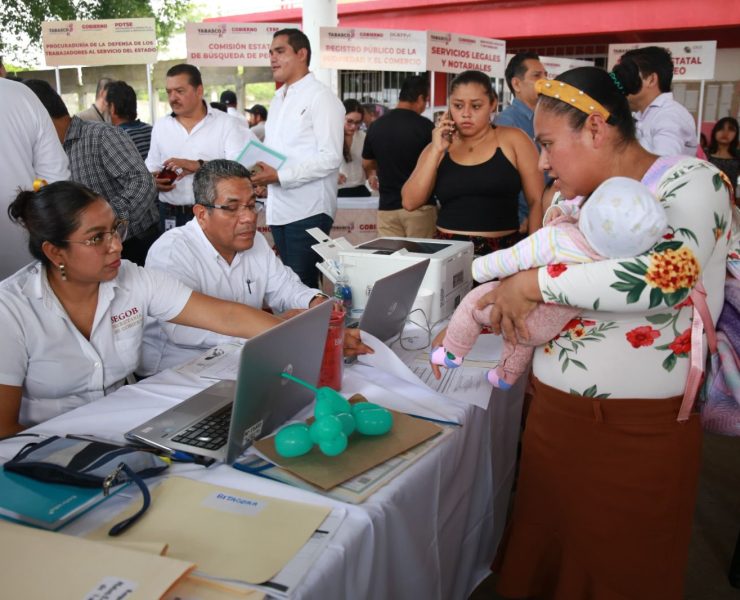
<point>230,44</point>
<point>103,42</point>
<point>453,53</point>
<point>555,65</point>
<point>372,49</point>
<point>692,61</point>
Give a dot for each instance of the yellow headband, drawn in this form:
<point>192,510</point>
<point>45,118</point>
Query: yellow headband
<point>570,95</point>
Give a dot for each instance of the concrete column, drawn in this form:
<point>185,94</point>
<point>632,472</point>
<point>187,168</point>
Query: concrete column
<point>316,14</point>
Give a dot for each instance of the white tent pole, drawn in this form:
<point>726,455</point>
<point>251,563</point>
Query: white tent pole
<point>58,80</point>
<point>152,103</point>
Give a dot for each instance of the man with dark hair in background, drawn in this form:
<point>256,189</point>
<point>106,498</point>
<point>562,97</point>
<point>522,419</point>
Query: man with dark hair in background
<point>98,111</point>
<point>257,119</point>
<point>182,141</point>
<point>121,99</point>
<point>522,72</point>
<point>307,126</point>
<point>105,159</point>
<point>392,147</point>
<point>228,97</point>
<point>664,127</point>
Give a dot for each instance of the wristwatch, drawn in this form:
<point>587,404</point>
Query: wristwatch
<point>201,162</point>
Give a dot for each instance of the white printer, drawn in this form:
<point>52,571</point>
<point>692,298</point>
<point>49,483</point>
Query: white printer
<point>448,275</point>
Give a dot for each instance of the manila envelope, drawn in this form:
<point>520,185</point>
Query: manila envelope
<point>228,533</point>
<point>363,451</point>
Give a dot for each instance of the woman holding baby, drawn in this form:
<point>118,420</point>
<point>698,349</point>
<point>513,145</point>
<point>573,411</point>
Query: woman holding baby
<point>608,475</point>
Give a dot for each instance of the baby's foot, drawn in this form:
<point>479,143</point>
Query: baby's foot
<point>497,381</point>
<point>443,358</point>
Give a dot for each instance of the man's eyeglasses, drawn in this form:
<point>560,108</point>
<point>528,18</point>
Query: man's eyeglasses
<point>101,241</point>
<point>239,209</point>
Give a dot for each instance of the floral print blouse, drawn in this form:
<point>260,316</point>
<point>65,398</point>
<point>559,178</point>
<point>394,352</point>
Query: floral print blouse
<point>632,339</point>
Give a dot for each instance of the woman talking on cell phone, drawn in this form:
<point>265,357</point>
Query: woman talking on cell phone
<point>476,170</point>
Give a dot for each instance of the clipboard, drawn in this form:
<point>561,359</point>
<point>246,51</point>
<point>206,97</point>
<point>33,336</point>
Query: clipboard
<point>256,151</point>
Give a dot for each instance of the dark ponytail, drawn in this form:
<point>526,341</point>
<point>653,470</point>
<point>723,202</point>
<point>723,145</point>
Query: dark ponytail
<point>50,215</point>
<point>609,89</point>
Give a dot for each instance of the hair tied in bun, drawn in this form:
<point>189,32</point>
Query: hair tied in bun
<point>617,83</point>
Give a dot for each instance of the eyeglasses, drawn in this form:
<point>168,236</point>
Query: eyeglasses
<point>239,209</point>
<point>352,122</point>
<point>102,241</point>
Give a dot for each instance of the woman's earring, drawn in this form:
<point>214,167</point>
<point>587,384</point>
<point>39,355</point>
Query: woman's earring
<point>62,272</point>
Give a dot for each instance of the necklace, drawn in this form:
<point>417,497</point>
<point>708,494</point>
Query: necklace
<point>481,139</point>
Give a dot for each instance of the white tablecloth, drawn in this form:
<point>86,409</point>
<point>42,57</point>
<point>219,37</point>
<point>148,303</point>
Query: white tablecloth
<point>429,534</point>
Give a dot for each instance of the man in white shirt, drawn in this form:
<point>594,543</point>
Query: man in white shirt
<point>219,253</point>
<point>30,149</point>
<point>181,141</point>
<point>306,125</point>
<point>664,127</point>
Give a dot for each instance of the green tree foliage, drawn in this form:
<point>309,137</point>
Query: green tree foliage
<point>21,19</point>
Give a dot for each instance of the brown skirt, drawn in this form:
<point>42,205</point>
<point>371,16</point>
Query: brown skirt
<point>604,501</point>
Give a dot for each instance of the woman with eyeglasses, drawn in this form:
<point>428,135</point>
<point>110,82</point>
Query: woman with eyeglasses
<point>72,322</point>
<point>352,176</point>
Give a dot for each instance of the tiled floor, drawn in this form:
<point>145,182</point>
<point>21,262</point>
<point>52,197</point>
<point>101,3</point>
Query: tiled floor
<point>716,525</point>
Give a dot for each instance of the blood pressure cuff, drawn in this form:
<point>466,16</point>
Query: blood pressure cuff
<point>88,464</point>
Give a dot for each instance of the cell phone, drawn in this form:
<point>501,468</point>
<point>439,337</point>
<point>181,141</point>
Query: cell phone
<point>167,174</point>
<point>448,116</point>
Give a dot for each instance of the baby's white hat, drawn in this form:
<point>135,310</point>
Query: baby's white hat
<point>622,218</point>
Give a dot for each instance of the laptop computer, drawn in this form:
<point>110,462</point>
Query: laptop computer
<point>221,421</point>
<point>390,301</point>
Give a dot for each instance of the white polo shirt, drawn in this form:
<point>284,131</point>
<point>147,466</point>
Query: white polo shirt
<point>44,352</point>
<point>666,128</point>
<point>306,124</point>
<point>217,135</point>
<point>255,277</point>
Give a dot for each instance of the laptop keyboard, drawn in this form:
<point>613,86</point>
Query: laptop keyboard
<point>210,433</point>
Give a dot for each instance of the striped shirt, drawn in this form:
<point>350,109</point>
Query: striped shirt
<point>104,158</point>
<point>559,242</point>
<point>141,134</point>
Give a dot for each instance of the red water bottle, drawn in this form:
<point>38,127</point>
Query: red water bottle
<point>332,364</point>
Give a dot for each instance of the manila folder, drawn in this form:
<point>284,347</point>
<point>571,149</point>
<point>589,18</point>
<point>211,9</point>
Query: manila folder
<point>228,533</point>
<point>43,564</point>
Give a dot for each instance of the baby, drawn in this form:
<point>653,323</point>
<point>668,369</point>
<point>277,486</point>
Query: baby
<point>620,219</point>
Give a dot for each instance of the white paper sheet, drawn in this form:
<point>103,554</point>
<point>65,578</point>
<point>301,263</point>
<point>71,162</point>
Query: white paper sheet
<point>255,151</point>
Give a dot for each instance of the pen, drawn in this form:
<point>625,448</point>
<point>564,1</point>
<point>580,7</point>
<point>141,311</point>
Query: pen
<point>440,421</point>
<point>249,285</point>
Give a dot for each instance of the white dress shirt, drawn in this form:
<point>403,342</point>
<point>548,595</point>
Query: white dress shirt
<point>217,135</point>
<point>30,148</point>
<point>666,128</point>
<point>306,124</point>
<point>255,277</point>
<point>44,352</point>
<point>353,170</point>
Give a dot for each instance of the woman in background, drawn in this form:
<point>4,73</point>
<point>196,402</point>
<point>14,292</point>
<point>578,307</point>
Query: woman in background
<point>476,170</point>
<point>352,176</point>
<point>722,151</point>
